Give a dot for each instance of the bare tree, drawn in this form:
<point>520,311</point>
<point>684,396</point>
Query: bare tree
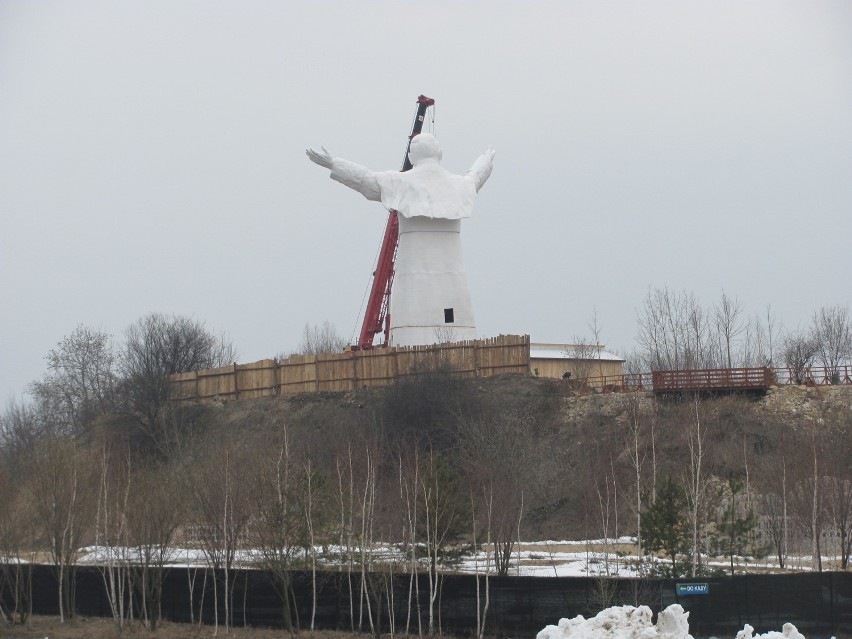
<point>345,528</point>
<point>15,536</point>
<point>774,496</point>
<point>501,466</point>
<point>61,494</point>
<point>659,322</point>
<point>313,507</point>
<point>221,500</point>
<point>837,481</point>
<point>366,504</point>
<point>111,531</point>
<point>22,426</point>
<point>584,355</point>
<point>806,495</point>
<point>799,350</point>
<point>702,344</point>
<point>279,526</point>
<point>759,343</point>
<point>80,382</point>
<point>321,338</point>
<point>636,447</point>
<point>445,334</point>
<point>816,504</point>
<point>728,317</point>
<point>770,337</point>
<point>155,509</point>
<point>674,332</point>
<point>444,520</point>
<point>696,487</point>
<point>157,346</point>
<point>832,336</point>
<point>408,469</point>
<point>482,606</point>
<point>357,466</point>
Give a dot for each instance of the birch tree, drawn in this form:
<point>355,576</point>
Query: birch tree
<point>111,531</point>
<point>806,495</point>
<point>697,479</point>
<point>482,606</point>
<point>220,502</point>
<point>284,497</point>
<point>636,446</point>
<point>313,510</point>
<point>357,474</point>
<point>444,505</point>
<point>408,468</point>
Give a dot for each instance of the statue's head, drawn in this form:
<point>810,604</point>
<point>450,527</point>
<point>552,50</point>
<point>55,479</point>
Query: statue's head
<point>423,148</point>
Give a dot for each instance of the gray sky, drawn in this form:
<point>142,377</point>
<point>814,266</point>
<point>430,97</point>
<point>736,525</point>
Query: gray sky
<point>152,159</point>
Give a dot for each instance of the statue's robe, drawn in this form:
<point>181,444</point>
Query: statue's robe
<point>430,301</point>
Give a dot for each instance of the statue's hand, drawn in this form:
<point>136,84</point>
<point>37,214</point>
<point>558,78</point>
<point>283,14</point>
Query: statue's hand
<point>481,169</point>
<point>323,158</point>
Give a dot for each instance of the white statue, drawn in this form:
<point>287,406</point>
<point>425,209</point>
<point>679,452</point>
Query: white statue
<point>430,301</point>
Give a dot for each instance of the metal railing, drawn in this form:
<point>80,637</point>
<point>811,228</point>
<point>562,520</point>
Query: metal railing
<point>814,375</point>
<point>713,379</point>
<point>626,383</point>
<point>759,378</point>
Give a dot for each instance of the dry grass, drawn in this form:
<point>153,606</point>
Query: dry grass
<point>43,627</point>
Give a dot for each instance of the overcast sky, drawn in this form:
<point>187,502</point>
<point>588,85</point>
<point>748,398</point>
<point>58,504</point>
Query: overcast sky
<point>152,159</point>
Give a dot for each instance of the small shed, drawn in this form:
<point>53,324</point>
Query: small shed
<point>582,361</point>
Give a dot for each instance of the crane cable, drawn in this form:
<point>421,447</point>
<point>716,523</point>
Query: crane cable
<point>359,316</point>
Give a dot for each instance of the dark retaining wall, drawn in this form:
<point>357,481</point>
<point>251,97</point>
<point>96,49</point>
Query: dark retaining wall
<point>820,605</point>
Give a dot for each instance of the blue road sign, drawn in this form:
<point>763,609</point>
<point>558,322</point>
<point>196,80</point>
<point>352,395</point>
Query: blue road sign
<point>692,589</point>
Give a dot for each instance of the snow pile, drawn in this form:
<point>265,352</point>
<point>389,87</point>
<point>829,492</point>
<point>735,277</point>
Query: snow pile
<point>788,631</point>
<point>624,622</point>
<point>628,622</point>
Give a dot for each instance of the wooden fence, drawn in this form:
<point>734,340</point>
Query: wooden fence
<point>352,369</point>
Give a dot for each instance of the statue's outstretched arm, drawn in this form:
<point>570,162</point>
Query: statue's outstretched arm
<point>481,169</point>
<point>355,176</point>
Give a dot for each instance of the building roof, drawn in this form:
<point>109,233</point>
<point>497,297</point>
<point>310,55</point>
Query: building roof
<point>564,351</point>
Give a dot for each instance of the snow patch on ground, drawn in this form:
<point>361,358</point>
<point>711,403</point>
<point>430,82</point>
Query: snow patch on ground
<point>588,558</point>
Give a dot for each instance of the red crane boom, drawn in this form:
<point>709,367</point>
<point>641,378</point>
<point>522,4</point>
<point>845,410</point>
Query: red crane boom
<point>377,316</point>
